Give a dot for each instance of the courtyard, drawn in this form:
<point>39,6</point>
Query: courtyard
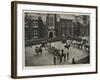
<point>45,58</point>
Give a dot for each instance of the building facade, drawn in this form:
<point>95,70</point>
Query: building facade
<point>51,25</point>
<point>47,26</point>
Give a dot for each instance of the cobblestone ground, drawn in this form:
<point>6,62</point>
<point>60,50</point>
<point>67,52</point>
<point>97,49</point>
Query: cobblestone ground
<point>34,59</point>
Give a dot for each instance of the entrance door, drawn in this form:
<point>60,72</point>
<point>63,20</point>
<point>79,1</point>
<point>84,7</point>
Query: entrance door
<point>51,35</point>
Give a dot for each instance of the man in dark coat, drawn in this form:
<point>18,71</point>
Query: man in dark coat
<point>37,50</point>
<point>55,56</point>
<point>40,50</point>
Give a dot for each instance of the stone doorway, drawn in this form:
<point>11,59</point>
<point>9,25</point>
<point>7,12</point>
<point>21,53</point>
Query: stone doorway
<point>51,35</point>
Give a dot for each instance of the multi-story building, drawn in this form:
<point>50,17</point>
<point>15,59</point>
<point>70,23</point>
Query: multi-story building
<point>31,26</point>
<point>46,26</point>
<point>66,27</point>
<point>34,26</point>
<point>51,25</point>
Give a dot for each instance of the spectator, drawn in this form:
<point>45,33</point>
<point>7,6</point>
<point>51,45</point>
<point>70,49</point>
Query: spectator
<point>55,57</point>
<point>68,55</point>
<point>73,61</point>
<point>37,50</point>
<point>40,50</point>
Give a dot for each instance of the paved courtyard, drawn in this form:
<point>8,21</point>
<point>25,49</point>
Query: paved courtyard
<point>33,59</point>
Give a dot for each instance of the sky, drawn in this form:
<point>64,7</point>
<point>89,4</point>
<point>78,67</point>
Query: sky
<point>63,16</point>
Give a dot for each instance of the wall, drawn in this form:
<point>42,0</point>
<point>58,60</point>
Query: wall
<point>5,40</point>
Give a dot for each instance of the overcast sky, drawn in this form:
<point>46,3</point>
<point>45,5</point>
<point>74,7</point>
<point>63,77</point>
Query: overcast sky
<point>64,16</point>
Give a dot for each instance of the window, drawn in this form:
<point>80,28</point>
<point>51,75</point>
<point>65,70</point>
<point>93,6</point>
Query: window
<point>51,21</point>
<point>35,33</point>
<point>63,24</point>
<point>35,24</point>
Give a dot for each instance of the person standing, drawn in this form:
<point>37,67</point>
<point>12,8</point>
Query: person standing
<point>67,54</point>
<point>40,50</point>
<point>61,55</point>
<point>54,57</point>
<point>64,54</point>
<point>37,50</point>
<point>73,61</point>
<point>58,54</point>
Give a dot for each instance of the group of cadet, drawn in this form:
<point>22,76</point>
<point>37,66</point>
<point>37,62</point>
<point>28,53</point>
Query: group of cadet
<point>60,55</point>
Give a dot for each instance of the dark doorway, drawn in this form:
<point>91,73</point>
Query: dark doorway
<point>51,35</point>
